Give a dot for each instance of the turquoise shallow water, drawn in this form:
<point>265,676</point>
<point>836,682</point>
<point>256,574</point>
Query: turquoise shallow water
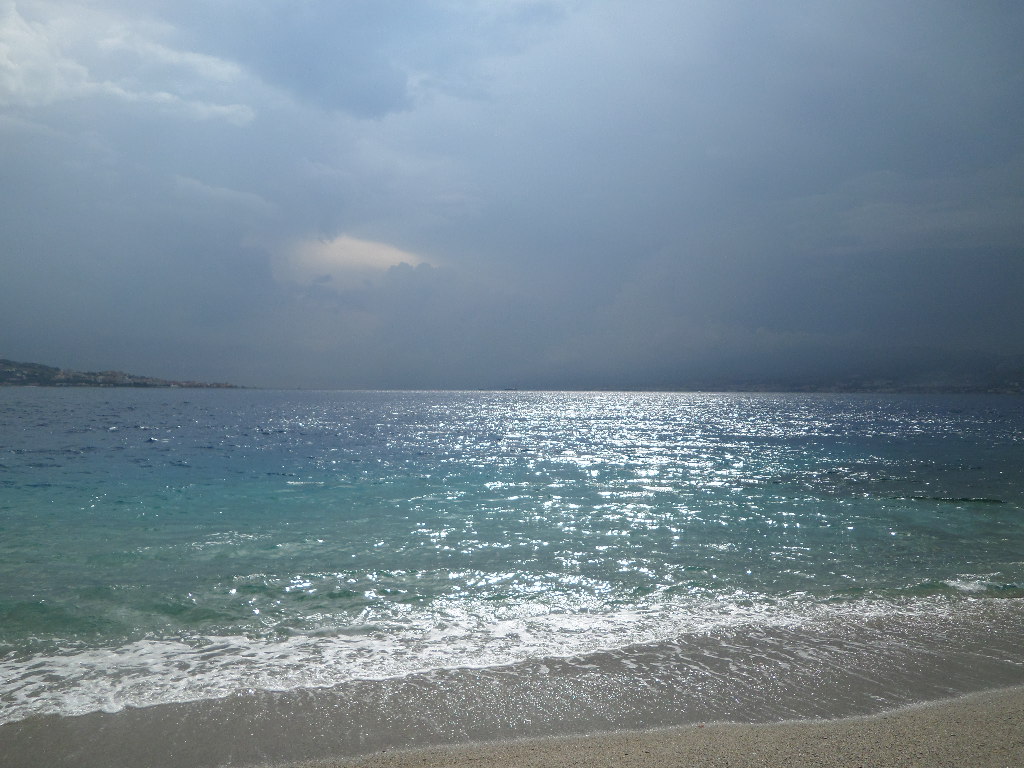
<point>162,547</point>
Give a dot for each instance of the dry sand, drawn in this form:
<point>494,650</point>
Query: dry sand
<point>978,731</point>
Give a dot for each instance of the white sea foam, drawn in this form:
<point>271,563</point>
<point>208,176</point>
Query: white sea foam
<point>975,583</point>
<point>79,680</point>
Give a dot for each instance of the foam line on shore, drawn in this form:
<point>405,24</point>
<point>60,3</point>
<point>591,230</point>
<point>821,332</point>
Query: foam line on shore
<point>985,730</point>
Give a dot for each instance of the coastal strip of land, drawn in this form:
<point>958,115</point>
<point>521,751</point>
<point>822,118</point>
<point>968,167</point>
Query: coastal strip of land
<point>15,374</point>
<point>983,730</point>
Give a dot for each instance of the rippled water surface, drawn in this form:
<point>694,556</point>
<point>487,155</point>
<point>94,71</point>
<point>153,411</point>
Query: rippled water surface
<point>161,546</point>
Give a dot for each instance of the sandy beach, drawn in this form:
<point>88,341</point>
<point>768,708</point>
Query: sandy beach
<point>984,730</point>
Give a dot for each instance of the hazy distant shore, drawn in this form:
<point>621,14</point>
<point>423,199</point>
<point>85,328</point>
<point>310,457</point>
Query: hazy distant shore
<point>982,730</point>
<point>1008,380</point>
<point>13,374</point>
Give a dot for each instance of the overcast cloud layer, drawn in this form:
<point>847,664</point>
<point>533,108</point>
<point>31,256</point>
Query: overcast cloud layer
<point>492,194</point>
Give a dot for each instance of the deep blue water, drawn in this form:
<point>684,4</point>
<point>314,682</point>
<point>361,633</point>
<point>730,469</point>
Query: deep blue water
<point>184,545</point>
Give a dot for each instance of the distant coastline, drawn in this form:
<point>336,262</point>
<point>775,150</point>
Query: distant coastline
<point>1002,376</point>
<point>13,374</point>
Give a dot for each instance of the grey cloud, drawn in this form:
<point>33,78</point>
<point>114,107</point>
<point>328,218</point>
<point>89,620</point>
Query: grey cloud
<point>367,58</point>
<point>601,194</point>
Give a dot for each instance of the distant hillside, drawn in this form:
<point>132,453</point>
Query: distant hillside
<point>14,374</point>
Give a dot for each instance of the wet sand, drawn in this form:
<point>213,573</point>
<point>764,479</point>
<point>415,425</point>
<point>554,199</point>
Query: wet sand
<point>984,730</point>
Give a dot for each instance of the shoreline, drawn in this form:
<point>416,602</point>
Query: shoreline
<point>790,688</point>
<point>983,729</point>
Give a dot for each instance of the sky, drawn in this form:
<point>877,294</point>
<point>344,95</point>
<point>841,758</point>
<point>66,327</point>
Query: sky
<point>511,193</point>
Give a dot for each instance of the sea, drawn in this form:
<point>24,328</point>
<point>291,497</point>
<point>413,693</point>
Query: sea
<point>195,577</point>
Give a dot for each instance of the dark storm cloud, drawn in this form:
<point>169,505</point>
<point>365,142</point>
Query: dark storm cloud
<point>510,194</point>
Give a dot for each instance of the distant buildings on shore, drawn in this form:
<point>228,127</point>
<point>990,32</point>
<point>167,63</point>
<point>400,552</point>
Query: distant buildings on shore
<point>37,375</point>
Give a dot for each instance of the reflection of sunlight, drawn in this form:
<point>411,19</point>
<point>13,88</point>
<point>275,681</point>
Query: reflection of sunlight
<point>343,262</point>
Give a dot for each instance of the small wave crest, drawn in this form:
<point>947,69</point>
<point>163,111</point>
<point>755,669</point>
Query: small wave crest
<point>76,680</point>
